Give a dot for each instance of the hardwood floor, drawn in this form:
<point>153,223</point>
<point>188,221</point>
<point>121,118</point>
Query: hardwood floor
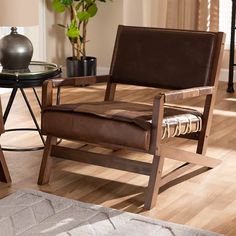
<point>207,201</point>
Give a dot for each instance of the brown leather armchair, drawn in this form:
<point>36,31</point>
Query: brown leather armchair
<point>4,173</point>
<point>187,62</point>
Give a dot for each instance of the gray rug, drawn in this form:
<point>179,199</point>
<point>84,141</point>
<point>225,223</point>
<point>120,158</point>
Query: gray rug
<point>29,212</point>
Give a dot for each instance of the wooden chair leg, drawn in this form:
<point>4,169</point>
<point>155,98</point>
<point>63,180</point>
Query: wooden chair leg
<point>204,135</point>
<point>47,161</point>
<point>4,173</point>
<point>154,182</point>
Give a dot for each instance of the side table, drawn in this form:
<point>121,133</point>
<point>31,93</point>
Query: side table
<point>32,77</point>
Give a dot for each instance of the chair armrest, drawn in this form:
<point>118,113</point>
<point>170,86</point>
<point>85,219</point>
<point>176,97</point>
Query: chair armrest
<point>187,93</point>
<point>79,81</point>
<point>48,85</point>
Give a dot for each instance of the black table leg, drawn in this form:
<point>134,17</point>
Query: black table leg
<point>9,104</point>
<point>230,88</point>
<point>34,77</point>
<point>58,95</point>
<point>37,97</point>
<point>32,114</point>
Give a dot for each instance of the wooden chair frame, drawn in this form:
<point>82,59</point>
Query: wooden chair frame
<point>4,172</point>
<point>159,152</point>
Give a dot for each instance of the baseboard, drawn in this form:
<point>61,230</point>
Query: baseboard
<point>103,70</point>
<point>224,75</point>
<point>100,70</point>
<point>5,90</point>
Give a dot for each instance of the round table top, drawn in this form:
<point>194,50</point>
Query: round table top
<point>31,77</point>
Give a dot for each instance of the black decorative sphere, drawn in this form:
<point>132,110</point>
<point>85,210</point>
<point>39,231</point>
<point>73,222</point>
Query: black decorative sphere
<point>16,51</point>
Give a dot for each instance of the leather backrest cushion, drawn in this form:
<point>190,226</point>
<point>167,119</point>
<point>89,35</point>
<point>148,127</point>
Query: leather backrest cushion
<point>162,58</point>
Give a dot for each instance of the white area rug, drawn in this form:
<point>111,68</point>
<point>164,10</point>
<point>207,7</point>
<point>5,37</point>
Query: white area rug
<point>30,212</point>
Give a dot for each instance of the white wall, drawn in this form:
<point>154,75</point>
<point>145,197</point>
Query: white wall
<point>101,29</point>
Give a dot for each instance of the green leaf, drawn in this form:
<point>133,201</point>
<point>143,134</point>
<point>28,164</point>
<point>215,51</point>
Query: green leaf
<point>58,6</point>
<point>83,15</point>
<point>92,10</point>
<point>66,2</point>
<point>73,31</point>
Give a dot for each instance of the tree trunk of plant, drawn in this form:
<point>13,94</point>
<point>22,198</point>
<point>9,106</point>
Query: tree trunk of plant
<point>78,49</point>
<point>72,16</point>
<point>74,50</point>
<point>84,38</point>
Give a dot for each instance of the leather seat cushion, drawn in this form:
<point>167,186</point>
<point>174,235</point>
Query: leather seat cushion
<point>92,129</point>
<point>118,123</point>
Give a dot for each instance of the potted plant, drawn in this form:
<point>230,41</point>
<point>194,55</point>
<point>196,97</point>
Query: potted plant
<point>80,12</point>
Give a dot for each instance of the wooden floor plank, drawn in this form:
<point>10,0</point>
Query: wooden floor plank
<point>207,201</point>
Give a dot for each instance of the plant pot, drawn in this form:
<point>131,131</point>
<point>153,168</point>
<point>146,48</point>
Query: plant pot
<point>83,67</point>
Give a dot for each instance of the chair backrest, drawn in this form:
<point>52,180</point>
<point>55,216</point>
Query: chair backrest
<point>164,58</point>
